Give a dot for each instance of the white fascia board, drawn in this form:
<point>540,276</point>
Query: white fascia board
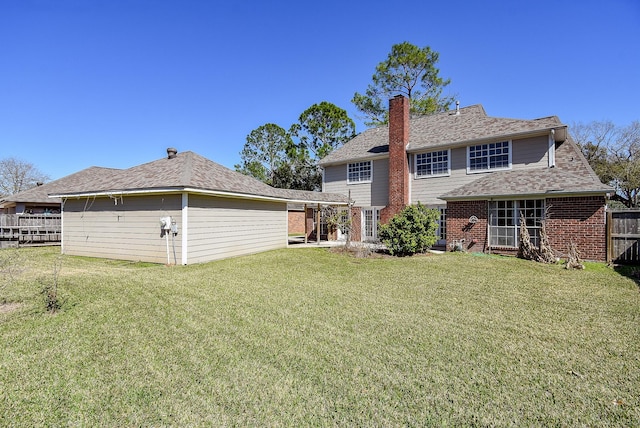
<point>354,160</point>
<point>160,191</point>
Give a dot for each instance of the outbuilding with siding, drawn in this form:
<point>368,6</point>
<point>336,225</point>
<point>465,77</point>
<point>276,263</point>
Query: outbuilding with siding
<point>181,209</point>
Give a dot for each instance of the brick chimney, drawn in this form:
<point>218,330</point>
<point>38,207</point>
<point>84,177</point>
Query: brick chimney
<point>398,161</point>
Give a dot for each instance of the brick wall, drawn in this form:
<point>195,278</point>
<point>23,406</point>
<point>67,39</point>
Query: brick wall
<point>311,233</point>
<point>296,222</point>
<point>398,161</point>
<point>577,219</point>
<point>459,227</point>
<point>581,220</point>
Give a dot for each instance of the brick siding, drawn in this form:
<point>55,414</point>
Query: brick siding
<point>580,220</point>
<point>573,219</point>
<point>398,161</point>
<point>296,222</point>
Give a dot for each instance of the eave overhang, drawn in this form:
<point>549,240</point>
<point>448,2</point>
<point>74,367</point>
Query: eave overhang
<point>179,190</point>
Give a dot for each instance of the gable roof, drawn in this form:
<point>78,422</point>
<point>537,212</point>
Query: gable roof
<point>191,172</point>
<point>448,129</point>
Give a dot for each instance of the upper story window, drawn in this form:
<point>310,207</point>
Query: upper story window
<point>359,172</point>
<point>489,157</point>
<point>432,164</point>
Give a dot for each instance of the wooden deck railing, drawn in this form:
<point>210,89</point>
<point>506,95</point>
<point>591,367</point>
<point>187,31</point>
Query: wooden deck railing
<point>30,229</point>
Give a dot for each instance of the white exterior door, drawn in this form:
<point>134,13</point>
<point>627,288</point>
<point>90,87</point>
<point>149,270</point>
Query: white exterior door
<point>370,220</point>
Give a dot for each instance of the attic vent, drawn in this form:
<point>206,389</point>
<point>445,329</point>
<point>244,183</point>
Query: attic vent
<point>171,153</point>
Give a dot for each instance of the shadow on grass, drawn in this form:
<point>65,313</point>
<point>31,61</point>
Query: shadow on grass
<point>630,271</point>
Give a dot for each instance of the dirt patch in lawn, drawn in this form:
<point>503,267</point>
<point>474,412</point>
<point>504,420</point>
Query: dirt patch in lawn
<point>6,308</point>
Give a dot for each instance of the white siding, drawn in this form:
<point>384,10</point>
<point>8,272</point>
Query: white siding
<point>129,230</point>
<point>221,227</point>
<point>374,194</point>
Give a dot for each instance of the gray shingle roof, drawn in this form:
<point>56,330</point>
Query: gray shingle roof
<point>187,170</point>
<point>39,195</point>
<point>439,130</point>
<point>571,175</point>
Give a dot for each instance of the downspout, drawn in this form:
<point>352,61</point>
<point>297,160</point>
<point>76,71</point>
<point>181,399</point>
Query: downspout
<point>552,149</point>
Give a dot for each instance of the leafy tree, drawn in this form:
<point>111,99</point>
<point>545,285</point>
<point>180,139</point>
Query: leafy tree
<point>412,230</point>
<point>272,156</point>
<point>264,152</point>
<point>410,71</point>
<point>297,172</point>
<point>323,128</point>
<point>17,175</point>
<point>614,154</point>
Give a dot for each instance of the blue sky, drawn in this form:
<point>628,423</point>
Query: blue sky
<point>113,83</point>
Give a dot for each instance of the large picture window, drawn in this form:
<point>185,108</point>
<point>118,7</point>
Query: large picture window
<point>504,221</point>
<point>488,157</point>
<point>359,172</point>
<point>432,164</point>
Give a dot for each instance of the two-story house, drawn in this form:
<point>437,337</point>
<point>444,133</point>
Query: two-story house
<point>481,172</point>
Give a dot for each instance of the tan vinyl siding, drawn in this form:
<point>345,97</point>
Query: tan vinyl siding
<point>222,227</point>
<point>530,152</point>
<point>129,230</point>
<point>527,153</point>
<point>427,190</point>
<point>374,194</point>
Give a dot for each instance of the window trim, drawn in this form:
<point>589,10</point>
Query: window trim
<point>489,169</point>
<point>442,174</point>
<point>361,181</point>
<point>516,209</point>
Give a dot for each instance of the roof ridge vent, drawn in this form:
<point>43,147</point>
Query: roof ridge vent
<point>172,153</point>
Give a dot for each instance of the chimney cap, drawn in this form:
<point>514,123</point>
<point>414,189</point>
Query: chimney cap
<point>171,152</point>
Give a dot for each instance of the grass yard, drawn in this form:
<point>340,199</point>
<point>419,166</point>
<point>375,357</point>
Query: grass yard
<point>307,337</point>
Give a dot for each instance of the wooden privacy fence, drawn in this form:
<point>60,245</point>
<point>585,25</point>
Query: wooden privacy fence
<point>623,236</point>
<point>30,229</point>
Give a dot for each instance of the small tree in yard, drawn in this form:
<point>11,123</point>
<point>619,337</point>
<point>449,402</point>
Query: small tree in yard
<point>412,230</point>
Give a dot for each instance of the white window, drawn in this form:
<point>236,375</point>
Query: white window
<point>504,221</point>
<point>489,157</point>
<point>359,172</point>
<point>432,164</point>
<point>442,225</point>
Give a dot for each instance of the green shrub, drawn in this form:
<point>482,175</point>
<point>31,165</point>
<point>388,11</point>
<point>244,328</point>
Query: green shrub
<point>412,230</point>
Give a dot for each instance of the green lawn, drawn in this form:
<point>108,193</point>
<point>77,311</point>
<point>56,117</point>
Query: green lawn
<point>307,337</point>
